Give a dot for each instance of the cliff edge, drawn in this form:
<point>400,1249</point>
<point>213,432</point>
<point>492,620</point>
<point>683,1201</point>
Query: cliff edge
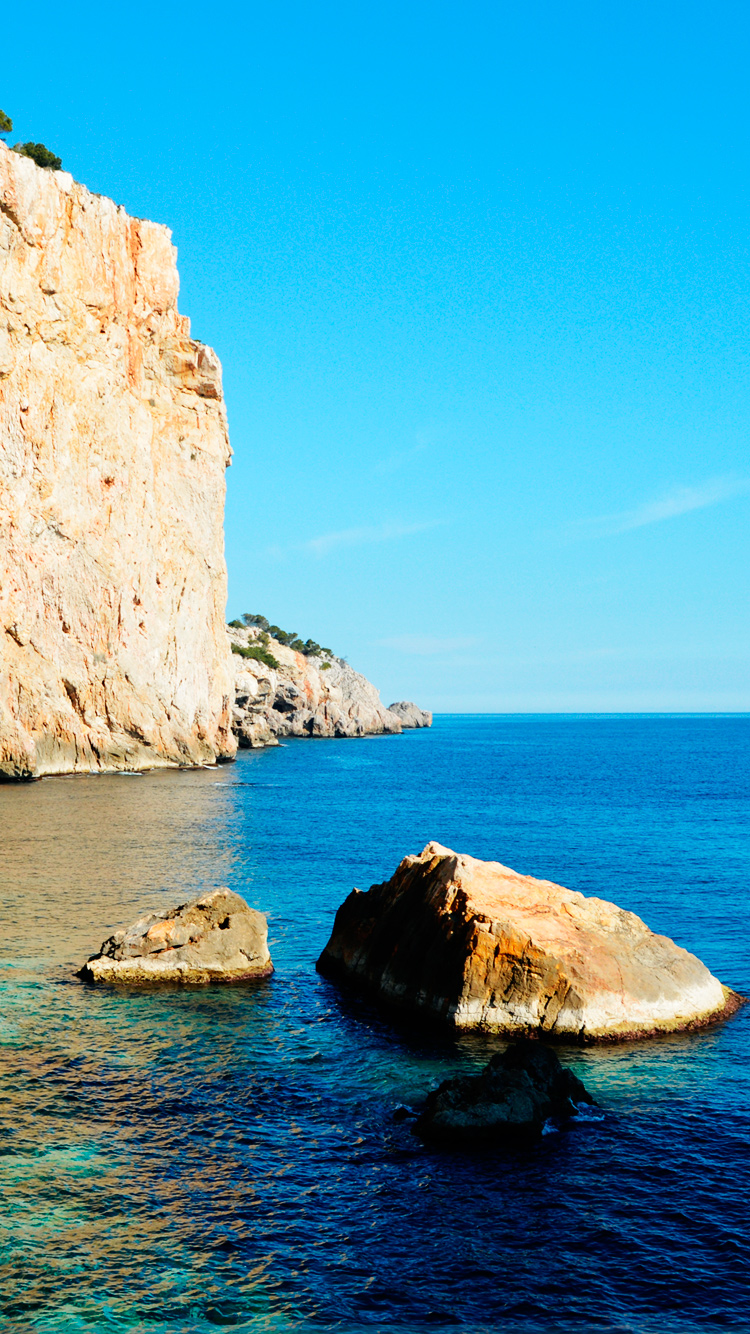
<point>113,448</point>
<point>303,696</point>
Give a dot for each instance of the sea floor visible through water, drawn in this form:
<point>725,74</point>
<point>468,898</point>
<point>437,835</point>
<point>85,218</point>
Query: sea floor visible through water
<point>184,1159</point>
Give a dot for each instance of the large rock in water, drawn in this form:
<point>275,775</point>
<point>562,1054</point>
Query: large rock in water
<point>410,714</point>
<point>216,938</point>
<point>479,946</point>
<point>113,451</point>
<point>516,1093</point>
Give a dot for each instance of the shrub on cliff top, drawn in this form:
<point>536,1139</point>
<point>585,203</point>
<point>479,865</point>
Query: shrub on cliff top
<point>256,651</point>
<point>39,154</point>
<point>309,647</point>
<point>6,124</point>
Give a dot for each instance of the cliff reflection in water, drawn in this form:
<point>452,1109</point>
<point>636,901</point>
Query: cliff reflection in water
<point>83,855</point>
<point>178,1159</point>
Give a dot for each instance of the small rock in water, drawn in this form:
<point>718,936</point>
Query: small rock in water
<point>513,1097</point>
<point>402,1112</point>
<point>216,938</point>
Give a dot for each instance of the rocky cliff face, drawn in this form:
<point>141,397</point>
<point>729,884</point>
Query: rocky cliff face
<point>301,696</point>
<point>113,446</point>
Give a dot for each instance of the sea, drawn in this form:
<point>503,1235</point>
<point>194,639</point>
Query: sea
<point>182,1160</point>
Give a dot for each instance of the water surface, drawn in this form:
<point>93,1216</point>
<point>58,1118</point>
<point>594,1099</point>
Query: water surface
<point>190,1159</point>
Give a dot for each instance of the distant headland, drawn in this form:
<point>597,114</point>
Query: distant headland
<point>114,652</point>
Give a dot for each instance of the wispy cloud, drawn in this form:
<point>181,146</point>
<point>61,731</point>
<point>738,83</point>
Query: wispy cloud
<point>356,537</point>
<point>392,462</point>
<point>427,645</point>
<point>681,501</point>
<point>424,441</point>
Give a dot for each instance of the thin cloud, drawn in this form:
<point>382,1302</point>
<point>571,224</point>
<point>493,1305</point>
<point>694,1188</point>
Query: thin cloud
<point>427,645</point>
<point>357,537</point>
<point>424,441</point>
<point>398,460</point>
<point>681,501</point>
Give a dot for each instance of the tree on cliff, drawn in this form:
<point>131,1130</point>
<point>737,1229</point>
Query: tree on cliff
<point>309,647</point>
<point>6,124</point>
<point>39,154</point>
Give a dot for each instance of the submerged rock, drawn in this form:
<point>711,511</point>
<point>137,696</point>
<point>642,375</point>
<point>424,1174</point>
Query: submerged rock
<point>410,714</point>
<point>516,1093</point>
<point>479,946</point>
<point>216,938</point>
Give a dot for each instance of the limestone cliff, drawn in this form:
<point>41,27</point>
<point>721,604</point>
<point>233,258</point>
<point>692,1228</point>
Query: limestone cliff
<point>113,447</point>
<point>303,696</point>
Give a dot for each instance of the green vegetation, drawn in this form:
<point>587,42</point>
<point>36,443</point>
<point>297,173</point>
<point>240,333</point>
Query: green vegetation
<point>257,651</point>
<point>39,154</point>
<point>309,647</point>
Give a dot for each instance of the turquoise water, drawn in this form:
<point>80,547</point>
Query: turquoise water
<point>186,1160</point>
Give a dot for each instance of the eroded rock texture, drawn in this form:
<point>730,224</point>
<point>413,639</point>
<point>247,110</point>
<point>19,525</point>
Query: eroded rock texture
<point>410,714</point>
<point>303,696</point>
<point>113,447</point>
<point>216,938</point>
<point>480,946</point>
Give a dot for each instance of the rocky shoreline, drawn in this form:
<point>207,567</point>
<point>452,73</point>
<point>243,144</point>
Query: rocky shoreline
<point>113,646</point>
<point>284,693</point>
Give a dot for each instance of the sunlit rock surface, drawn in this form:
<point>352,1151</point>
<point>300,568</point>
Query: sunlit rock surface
<point>477,945</point>
<point>216,938</point>
<point>303,696</point>
<point>113,448</point>
<point>410,714</point>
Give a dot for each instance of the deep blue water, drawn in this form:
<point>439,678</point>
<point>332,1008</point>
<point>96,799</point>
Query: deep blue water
<point>191,1159</point>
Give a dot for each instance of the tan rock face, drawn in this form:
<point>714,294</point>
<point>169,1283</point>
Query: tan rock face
<point>216,938</point>
<point>479,946</point>
<point>303,696</point>
<point>113,448</point>
<point>410,714</point>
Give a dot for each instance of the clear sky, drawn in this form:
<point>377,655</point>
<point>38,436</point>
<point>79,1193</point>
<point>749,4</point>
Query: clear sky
<point>478,276</point>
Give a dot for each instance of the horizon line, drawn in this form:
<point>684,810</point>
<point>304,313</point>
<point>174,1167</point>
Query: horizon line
<point>587,713</point>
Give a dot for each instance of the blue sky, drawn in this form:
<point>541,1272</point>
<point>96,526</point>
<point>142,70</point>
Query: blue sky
<point>478,276</point>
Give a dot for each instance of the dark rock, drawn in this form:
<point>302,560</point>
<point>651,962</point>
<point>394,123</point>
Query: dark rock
<point>513,1097</point>
<point>403,1113</point>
